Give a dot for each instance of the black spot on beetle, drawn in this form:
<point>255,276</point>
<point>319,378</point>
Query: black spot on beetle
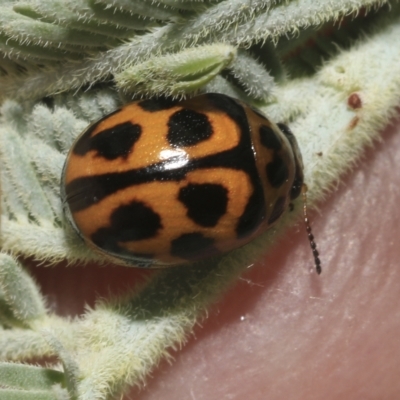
<point>135,221</point>
<point>131,222</point>
<point>193,246</point>
<point>277,211</point>
<point>269,138</point>
<point>205,203</point>
<point>188,128</point>
<point>111,143</point>
<point>277,172</point>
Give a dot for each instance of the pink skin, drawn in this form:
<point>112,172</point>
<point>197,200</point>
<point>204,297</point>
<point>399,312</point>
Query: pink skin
<point>282,332</point>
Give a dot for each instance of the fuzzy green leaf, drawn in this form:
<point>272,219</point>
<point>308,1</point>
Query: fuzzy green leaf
<point>28,377</point>
<point>145,8</point>
<point>176,74</point>
<point>20,343</point>
<point>20,292</point>
<point>84,15</point>
<point>13,394</point>
<point>252,77</point>
<point>271,24</point>
<point>29,31</point>
<point>23,179</point>
<point>71,368</point>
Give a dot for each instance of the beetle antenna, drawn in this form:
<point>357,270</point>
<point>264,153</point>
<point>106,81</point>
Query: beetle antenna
<point>317,261</point>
